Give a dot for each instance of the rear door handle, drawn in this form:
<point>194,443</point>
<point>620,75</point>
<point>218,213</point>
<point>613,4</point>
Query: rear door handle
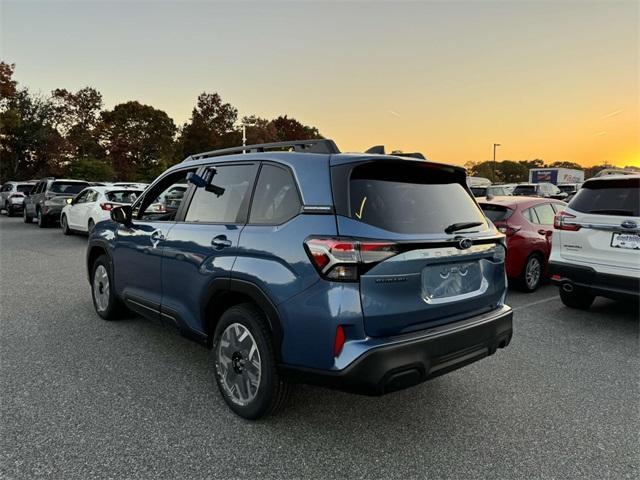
<point>220,242</point>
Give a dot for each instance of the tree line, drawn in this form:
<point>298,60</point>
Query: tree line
<point>71,134</point>
<point>510,171</point>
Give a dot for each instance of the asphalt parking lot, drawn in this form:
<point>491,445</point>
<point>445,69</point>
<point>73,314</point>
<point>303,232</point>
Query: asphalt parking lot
<point>83,398</point>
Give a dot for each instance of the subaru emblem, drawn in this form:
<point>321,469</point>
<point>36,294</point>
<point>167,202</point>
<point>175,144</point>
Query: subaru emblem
<point>465,243</point>
<point>629,224</point>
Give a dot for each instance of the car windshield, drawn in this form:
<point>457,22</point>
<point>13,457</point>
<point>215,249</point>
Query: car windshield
<point>479,191</point>
<point>123,196</point>
<point>68,188</point>
<point>609,197</point>
<point>410,198</point>
<point>496,213</point>
<point>26,188</point>
<point>524,190</point>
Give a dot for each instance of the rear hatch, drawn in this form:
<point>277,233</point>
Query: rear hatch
<point>436,260</point>
<point>601,224</point>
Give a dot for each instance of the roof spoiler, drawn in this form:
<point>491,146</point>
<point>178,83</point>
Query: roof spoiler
<point>379,150</point>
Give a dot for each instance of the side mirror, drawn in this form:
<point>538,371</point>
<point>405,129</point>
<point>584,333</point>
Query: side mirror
<point>122,215</point>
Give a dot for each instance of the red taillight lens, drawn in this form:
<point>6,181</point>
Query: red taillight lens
<point>340,258</point>
<point>563,221</point>
<point>106,206</point>
<point>339,341</point>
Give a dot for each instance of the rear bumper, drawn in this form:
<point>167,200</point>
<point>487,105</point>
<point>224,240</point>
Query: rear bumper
<point>412,360</point>
<point>588,279</point>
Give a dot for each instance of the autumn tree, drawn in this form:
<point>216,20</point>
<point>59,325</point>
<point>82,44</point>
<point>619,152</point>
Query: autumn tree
<point>211,126</point>
<point>138,140</point>
<point>288,129</point>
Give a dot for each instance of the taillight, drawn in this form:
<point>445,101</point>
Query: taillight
<point>508,230</point>
<point>107,206</point>
<point>339,341</point>
<point>343,258</point>
<point>562,221</point>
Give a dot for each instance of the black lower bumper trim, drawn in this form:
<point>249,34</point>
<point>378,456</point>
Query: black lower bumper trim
<point>596,283</point>
<point>403,364</point>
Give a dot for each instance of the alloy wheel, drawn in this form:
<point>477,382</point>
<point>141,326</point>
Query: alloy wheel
<point>101,288</point>
<point>532,272</point>
<point>238,364</point>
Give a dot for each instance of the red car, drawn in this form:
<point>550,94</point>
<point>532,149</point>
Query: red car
<point>528,224</point>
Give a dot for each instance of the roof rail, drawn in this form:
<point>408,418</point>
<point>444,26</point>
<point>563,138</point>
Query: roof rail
<point>320,145</point>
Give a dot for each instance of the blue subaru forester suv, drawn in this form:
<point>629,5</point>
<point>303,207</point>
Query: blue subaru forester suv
<point>294,262</point>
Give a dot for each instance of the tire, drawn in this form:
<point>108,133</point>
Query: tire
<point>232,366</point>
<point>65,226</point>
<point>577,298</point>
<point>25,216</point>
<point>90,226</point>
<point>107,306</point>
<point>42,219</point>
<point>532,273</point>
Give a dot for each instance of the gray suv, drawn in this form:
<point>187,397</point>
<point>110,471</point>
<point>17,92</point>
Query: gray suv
<point>12,196</point>
<point>47,198</point>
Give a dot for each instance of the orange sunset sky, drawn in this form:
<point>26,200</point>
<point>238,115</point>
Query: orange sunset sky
<point>551,80</point>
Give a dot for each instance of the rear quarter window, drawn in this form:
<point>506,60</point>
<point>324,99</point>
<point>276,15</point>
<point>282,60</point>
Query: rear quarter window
<point>410,197</point>
<point>609,197</point>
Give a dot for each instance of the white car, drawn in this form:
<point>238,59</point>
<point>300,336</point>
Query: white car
<point>596,242</point>
<point>93,205</point>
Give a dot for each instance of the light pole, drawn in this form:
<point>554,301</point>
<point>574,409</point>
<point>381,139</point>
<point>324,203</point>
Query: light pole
<point>493,166</point>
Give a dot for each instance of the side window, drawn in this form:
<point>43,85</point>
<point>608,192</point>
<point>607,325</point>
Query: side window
<point>41,187</point>
<point>232,205</point>
<point>161,203</point>
<point>82,197</point>
<point>276,199</point>
<point>6,188</point>
<point>545,213</point>
<point>92,197</point>
<point>558,207</point>
<point>530,215</point>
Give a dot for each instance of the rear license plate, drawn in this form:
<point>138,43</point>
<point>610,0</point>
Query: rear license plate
<point>448,281</point>
<point>626,240</point>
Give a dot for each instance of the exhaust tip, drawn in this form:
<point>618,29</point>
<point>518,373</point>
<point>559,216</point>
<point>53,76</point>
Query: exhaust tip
<point>567,287</point>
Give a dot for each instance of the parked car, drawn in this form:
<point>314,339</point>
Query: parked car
<point>366,272</point>
<point>569,188</point>
<point>490,191</point>
<point>596,245</point>
<point>12,196</point>
<point>48,196</point>
<point>93,205</point>
<point>528,224</point>
<point>544,190</point>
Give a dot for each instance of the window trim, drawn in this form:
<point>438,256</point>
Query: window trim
<point>255,187</point>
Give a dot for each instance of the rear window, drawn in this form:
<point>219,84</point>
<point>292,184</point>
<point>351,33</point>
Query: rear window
<point>123,196</point>
<point>407,197</point>
<point>68,188</point>
<point>524,190</point>
<point>567,188</point>
<point>479,191</point>
<point>609,197</point>
<point>24,188</point>
<point>496,213</point>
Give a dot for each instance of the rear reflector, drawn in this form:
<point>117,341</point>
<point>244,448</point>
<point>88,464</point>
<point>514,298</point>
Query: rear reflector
<point>339,341</point>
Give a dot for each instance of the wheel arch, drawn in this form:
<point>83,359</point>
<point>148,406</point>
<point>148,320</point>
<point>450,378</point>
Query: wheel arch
<point>93,252</point>
<point>225,293</point>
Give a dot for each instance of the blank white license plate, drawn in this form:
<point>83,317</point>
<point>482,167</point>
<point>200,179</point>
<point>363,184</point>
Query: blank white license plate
<point>626,240</point>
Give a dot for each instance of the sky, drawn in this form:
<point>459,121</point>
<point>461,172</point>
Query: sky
<point>556,80</point>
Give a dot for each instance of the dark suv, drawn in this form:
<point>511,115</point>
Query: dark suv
<point>48,196</point>
<point>363,272</point>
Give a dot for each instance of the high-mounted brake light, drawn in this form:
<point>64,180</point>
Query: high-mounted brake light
<point>563,221</point>
<point>342,258</point>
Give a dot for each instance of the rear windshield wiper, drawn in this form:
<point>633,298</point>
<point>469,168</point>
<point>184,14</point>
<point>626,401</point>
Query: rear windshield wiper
<point>454,227</point>
<point>612,211</point>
